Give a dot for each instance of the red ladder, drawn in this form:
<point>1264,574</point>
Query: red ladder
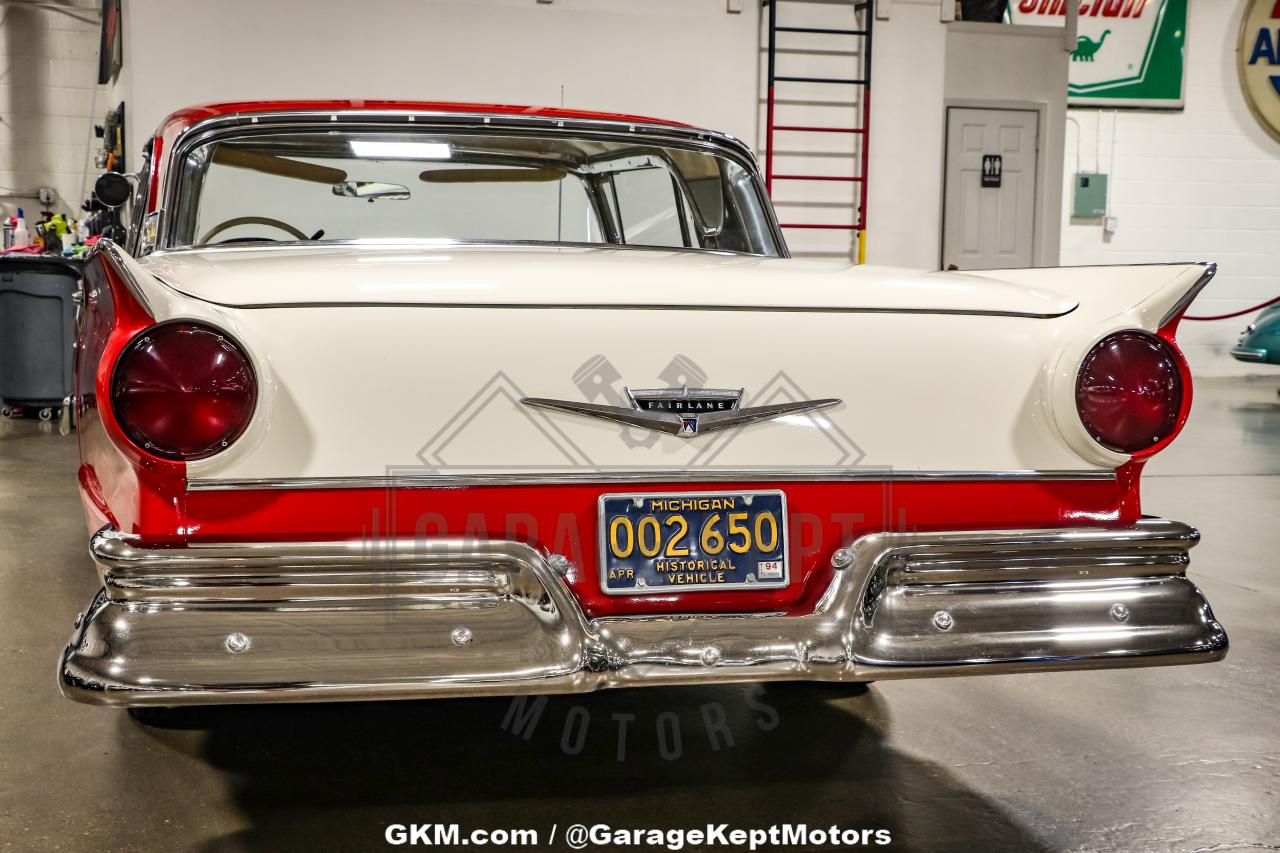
<point>863,81</point>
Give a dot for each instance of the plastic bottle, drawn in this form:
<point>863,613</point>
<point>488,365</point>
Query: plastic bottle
<point>21,236</point>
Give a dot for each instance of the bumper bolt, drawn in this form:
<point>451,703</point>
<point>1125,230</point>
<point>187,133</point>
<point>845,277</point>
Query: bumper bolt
<point>842,559</point>
<point>1120,613</point>
<point>943,621</point>
<point>237,643</point>
<point>461,636</point>
<point>560,564</point>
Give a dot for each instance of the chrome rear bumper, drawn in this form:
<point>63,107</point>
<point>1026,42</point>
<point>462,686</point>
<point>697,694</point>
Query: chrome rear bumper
<point>322,621</point>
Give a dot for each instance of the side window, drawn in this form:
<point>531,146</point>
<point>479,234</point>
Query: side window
<point>650,209</point>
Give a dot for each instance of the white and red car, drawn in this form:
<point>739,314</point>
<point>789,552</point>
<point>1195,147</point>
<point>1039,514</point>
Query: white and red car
<point>388,400</point>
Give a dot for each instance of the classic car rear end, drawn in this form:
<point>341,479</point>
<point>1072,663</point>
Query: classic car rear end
<point>643,448</point>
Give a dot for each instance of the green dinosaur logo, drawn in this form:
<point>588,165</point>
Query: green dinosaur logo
<point>1087,47</point>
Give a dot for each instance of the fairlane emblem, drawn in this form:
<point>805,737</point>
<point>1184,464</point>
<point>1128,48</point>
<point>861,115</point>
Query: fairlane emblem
<point>683,412</point>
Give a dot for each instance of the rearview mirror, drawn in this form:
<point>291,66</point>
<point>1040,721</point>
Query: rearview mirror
<point>112,189</point>
<point>371,190</point>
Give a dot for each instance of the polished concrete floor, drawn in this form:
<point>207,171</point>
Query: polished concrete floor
<point>1168,759</point>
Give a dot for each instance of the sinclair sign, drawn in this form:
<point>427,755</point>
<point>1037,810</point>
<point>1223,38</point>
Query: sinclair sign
<point>1259,61</point>
<point>1128,53</point>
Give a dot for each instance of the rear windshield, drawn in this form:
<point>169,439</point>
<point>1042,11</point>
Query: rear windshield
<point>355,183</point>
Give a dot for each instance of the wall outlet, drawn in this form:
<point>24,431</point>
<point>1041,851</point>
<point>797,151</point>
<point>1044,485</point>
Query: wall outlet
<point>733,7</point>
<point>1110,224</point>
<point>45,194</point>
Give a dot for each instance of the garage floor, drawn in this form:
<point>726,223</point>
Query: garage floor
<point>1170,759</point>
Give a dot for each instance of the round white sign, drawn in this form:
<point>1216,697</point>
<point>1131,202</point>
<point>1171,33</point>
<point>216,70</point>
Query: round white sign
<point>1259,61</point>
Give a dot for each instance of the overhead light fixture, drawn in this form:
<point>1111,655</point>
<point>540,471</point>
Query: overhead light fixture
<point>388,149</point>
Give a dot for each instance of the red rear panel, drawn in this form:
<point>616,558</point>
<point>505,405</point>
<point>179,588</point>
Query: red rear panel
<point>563,519</point>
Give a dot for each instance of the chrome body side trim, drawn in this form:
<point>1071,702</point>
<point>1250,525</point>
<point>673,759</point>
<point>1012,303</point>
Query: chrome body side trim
<point>424,243</point>
<point>614,476</point>
<point>1210,270</point>
<point>323,621</point>
<point>117,256</point>
<point>1248,354</point>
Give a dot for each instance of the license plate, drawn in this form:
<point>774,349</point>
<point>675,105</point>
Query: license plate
<point>684,542</point>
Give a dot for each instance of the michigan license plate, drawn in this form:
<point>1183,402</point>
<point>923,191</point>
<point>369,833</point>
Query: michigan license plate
<point>665,543</point>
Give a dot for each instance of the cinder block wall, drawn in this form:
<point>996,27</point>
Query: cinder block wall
<point>1197,185</point>
<point>688,60</point>
<point>49,101</point>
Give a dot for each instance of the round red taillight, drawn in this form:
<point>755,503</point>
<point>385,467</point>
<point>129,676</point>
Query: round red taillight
<point>1129,392</point>
<point>183,391</point>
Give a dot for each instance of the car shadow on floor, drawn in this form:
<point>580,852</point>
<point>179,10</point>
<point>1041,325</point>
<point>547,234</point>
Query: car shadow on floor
<point>334,776</point>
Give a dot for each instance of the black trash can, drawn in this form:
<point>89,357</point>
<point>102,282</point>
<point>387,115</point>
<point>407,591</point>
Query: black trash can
<point>38,296</point>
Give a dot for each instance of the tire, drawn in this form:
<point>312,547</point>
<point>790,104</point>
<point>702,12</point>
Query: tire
<point>46,414</point>
<point>6,412</point>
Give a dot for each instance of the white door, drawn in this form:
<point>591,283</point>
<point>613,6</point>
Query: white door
<point>989,210</point>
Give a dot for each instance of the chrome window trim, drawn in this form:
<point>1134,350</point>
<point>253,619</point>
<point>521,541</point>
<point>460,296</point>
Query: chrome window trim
<point>614,477</point>
<point>205,129</point>
<point>446,243</point>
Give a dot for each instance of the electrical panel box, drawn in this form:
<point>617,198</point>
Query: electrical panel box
<point>1090,196</point>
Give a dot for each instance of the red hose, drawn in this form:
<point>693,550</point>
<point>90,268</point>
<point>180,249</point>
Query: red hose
<point>1271,301</point>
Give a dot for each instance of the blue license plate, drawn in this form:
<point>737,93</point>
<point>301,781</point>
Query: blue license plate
<point>684,542</point>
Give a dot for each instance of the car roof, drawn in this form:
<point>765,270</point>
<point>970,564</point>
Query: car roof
<point>189,115</point>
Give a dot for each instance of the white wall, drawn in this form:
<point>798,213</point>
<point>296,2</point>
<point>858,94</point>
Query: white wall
<point>904,220</point>
<point>1013,66</point>
<point>49,102</point>
<point>1200,184</point>
<point>687,60</point>
<point>921,65</point>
